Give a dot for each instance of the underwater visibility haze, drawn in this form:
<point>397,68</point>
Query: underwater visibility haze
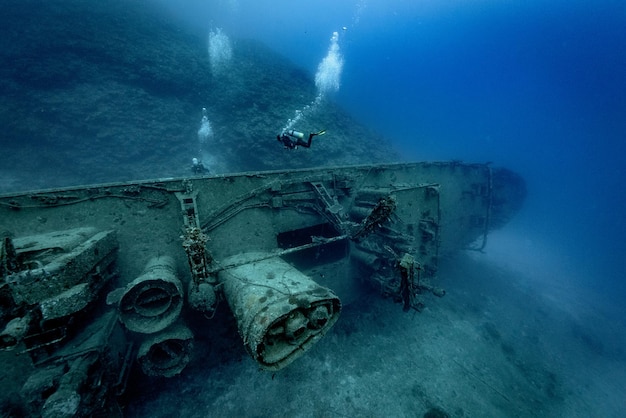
<point>538,87</point>
<point>534,86</point>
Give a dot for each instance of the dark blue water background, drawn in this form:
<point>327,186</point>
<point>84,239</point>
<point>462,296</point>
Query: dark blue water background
<point>536,86</point>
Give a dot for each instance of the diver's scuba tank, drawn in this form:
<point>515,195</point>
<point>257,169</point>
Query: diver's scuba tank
<point>295,134</point>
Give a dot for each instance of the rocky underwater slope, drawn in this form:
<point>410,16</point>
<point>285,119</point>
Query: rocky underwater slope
<point>111,91</point>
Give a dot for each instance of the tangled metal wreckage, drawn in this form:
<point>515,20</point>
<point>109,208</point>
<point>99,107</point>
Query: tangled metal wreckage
<point>100,282</point>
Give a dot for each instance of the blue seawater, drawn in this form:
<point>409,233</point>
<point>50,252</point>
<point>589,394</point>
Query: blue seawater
<point>535,86</point>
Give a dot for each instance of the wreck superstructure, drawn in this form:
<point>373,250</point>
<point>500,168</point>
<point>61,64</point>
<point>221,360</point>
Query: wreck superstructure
<point>94,279</point>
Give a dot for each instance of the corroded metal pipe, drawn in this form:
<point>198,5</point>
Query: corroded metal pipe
<point>167,352</point>
<point>280,311</point>
<point>152,301</point>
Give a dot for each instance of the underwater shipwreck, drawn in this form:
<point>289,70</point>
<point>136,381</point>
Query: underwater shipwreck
<point>102,281</point>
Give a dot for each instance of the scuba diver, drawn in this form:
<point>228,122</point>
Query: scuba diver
<point>291,139</point>
<point>197,167</point>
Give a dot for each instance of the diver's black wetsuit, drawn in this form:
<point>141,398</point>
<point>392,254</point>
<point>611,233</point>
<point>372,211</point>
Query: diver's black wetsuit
<point>292,142</point>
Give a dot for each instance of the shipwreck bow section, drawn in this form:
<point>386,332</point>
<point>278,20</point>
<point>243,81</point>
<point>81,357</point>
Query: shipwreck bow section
<point>280,248</point>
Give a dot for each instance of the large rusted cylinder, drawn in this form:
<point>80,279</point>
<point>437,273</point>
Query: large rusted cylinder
<point>166,353</point>
<point>280,311</point>
<point>152,301</point>
<point>367,260</point>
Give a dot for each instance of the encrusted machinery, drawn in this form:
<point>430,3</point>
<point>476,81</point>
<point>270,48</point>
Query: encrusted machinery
<point>99,281</point>
<point>51,288</point>
<point>49,278</point>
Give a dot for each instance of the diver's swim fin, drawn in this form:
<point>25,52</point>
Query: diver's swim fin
<point>322,132</point>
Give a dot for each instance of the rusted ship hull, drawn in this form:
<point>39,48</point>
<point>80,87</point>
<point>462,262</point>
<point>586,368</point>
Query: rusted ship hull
<point>284,249</point>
